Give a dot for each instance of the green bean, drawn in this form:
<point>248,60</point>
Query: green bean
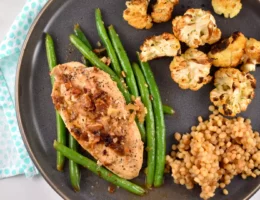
<point>106,41</point>
<point>124,61</point>
<point>92,57</point>
<point>50,52</point>
<point>150,125</point>
<point>73,167</point>
<point>61,137</point>
<point>141,130</point>
<point>168,110</point>
<point>96,169</point>
<point>79,33</point>
<point>126,65</point>
<point>61,130</point>
<point>159,124</point>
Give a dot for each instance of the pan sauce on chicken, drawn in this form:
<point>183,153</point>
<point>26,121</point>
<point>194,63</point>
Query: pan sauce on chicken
<point>94,111</point>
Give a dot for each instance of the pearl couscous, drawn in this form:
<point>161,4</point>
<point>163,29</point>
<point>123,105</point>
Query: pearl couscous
<point>214,152</point>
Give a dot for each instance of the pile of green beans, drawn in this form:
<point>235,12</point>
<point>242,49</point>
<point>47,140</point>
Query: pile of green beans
<point>137,79</point>
<point>61,129</point>
<point>96,169</point>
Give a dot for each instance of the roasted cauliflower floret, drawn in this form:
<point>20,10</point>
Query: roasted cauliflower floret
<point>191,69</point>
<point>196,28</point>
<point>136,14</point>
<point>234,91</point>
<point>228,52</point>
<point>229,8</point>
<point>165,44</point>
<point>162,10</point>
<point>252,55</point>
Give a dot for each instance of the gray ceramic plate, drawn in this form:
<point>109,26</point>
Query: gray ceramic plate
<point>36,112</point>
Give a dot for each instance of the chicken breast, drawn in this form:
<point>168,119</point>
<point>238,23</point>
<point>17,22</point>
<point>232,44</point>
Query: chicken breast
<point>162,10</point>
<point>158,46</point>
<point>94,111</point>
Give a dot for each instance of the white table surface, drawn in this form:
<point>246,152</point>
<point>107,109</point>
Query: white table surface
<point>20,187</point>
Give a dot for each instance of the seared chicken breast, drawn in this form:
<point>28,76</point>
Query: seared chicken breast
<point>95,113</point>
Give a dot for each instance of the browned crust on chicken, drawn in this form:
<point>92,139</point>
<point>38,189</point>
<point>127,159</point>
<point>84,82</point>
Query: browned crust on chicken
<point>95,113</point>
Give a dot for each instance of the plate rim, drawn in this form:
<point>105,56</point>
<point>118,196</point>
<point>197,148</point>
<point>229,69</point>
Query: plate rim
<point>19,118</point>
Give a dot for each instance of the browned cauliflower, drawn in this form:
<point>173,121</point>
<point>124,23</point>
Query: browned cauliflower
<point>162,10</point>
<point>136,14</point>
<point>191,69</point>
<point>165,44</point>
<point>229,8</point>
<point>196,28</point>
<point>234,91</point>
<point>228,52</point>
<point>252,55</point>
